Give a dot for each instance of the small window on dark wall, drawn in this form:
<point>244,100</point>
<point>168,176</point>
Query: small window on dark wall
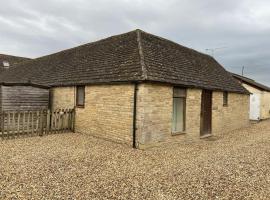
<point>225,98</point>
<point>80,96</point>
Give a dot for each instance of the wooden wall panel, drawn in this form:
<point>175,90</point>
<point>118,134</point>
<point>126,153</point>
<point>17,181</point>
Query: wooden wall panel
<point>23,98</point>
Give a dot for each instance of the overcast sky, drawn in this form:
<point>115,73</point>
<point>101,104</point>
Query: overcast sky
<point>238,30</point>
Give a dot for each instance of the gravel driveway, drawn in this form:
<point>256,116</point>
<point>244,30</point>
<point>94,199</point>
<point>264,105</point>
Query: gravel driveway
<point>77,166</point>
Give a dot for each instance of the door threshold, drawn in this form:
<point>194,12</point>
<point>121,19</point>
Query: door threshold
<point>206,136</point>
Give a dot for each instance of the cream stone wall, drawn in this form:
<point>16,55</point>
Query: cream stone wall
<point>108,112</point>
<point>233,116</point>
<point>193,112</point>
<point>154,115</point>
<point>265,105</point>
<point>63,97</point>
<point>252,89</point>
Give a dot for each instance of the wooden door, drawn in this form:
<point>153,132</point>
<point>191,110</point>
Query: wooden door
<point>206,112</point>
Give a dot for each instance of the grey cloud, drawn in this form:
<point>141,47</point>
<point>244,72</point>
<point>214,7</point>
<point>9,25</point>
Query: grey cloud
<point>34,28</point>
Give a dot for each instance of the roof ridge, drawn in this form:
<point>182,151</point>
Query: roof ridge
<point>94,42</point>
<point>140,48</point>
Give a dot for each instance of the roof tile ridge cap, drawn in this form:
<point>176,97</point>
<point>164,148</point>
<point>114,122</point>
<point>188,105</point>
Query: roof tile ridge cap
<point>140,48</point>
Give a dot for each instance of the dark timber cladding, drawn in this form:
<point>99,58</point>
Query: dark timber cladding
<point>23,98</point>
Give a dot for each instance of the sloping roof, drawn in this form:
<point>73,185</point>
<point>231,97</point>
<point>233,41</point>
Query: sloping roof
<point>12,60</point>
<point>251,82</point>
<point>132,56</point>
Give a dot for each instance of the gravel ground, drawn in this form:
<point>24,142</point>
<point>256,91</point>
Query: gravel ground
<point>77,166</point>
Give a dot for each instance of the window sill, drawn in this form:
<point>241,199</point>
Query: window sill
<point>79,106</point>
<point>178,133</point>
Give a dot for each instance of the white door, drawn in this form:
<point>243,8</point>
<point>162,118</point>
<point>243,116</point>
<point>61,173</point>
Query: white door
<point>255,104</point>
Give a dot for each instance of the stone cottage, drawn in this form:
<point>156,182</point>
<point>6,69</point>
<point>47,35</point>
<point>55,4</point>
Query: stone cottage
<point>140,89</point>
<point>259,98</point>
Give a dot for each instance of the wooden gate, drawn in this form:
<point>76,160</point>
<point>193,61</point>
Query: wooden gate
<point>40,122</point>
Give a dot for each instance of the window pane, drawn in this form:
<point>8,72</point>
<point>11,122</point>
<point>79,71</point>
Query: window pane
<point>80,96</point>
<point>179,92</point>
<point>178,115</point>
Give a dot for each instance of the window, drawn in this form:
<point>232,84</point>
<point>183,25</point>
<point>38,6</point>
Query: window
<point>6,64</point>
<point>179,110</point>
<point>80,94</point>
<point>225,98</point>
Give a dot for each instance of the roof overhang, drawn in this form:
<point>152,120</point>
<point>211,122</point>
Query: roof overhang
<point>25,84</point>
<point>251,82</point>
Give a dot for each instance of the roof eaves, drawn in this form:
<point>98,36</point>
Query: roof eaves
<point>24,84</point>
<point>140,48</point>
<point>251,82</point>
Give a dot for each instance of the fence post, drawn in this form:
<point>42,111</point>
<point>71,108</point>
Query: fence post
<point>49,120</point>
<point>32,122</point>
<point>8,121</point>
<point>3,124</point>
<point>69,125</point>
<point>18,122</point>
<point>41,123</point>
<point>73,119</point>
<point>53,121</point>
<point>28,123</point>
<point>62,114</point>
<point>23,123</point>
<point>45,121</point>
<point>13,124</point>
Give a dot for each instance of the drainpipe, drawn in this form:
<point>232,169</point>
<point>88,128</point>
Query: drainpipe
<point>134,115</point>
<point>74,107</point>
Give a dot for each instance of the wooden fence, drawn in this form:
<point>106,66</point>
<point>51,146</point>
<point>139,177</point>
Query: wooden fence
<point>40,122</point>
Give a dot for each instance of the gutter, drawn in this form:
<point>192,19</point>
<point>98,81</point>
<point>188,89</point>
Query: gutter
<point>144,77</point>
<point>134,136</point>
<point>24,84</point>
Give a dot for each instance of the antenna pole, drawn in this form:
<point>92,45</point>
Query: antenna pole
<point>243,68</point>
